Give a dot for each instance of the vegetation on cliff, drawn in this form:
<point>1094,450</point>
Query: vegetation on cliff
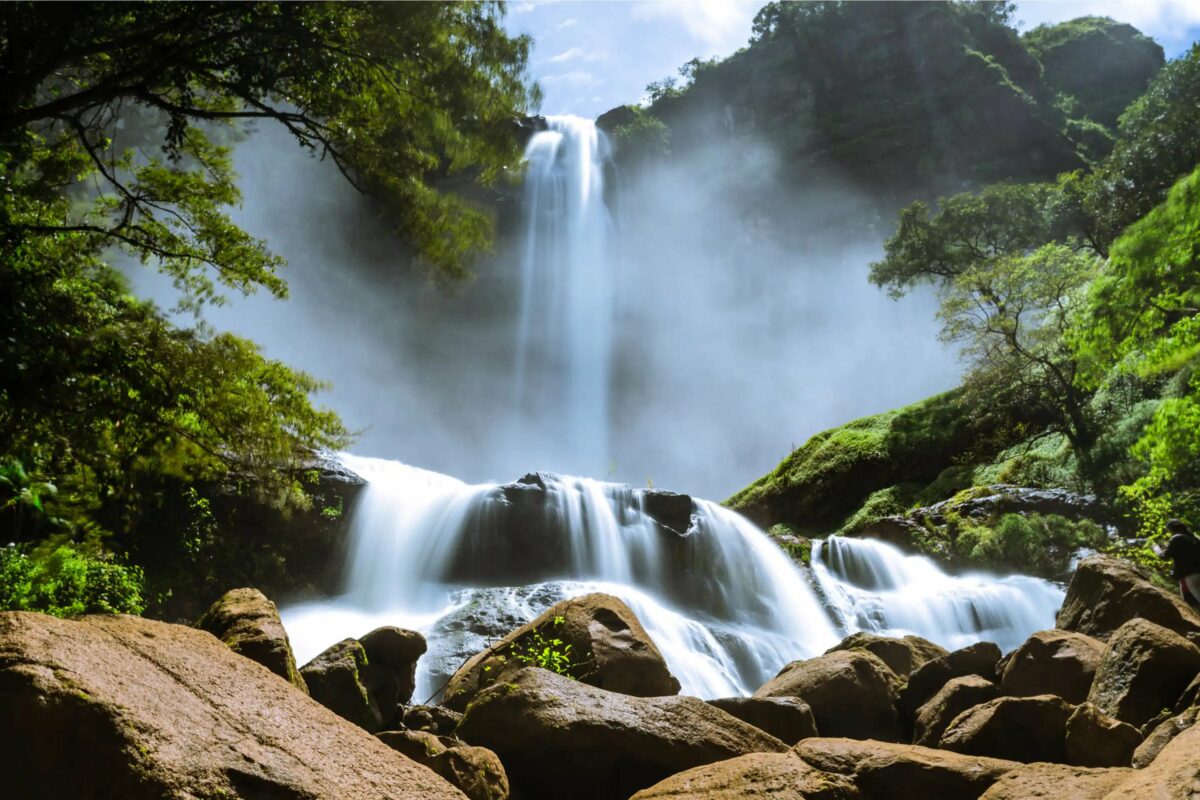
<point>1080,324</point>
<point>120,428</point>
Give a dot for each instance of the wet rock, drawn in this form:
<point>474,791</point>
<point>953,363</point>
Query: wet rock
<point>958,695</point>
<point>1145,669</point>
<point>476,771</point>
<point>609,649</point>
<point>926,680</point>
<point>672,511</point>
<point>130,708</point>
<point>342,679</point>
<point>397,650</point>
<point>1015,728</point>
<point>1161,735</point>
<point>887,771</point>
<point>1106,592</point>
<point>1056,782</point>
<point>851,692</point>
<point>901,655</point>
<point>1053,662</point>
<point>539,723</point>
<point>1097,740</point>
<point>788,719</point>
<point>249,623</point>
<point>778,776</point>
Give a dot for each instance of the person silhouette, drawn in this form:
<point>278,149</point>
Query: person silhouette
<point>1184,551</point>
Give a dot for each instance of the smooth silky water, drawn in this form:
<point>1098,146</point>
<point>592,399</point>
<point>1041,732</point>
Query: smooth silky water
<point>724,604</point>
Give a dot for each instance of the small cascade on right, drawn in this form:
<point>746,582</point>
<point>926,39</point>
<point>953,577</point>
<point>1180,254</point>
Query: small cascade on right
<point>874,587</point>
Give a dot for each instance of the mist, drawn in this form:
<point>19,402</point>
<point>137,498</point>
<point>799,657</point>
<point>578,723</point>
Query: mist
<point>744,322</point>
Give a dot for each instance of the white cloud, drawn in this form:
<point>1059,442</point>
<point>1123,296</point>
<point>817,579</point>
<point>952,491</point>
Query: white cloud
<point>566,55</point>
<point>523,8</point>
<point>566,23</point>
<point>723,25</point>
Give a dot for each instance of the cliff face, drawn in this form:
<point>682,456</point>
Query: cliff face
<point>908,99</point>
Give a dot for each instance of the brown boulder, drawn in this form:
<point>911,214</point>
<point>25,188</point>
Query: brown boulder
<point>474,770</point>
<point>1056,782</point>
<point>1145,669</point>
<point>1173,775</point>
<point>1161,736</point>
<point>926,680</point>
<point>887,771</point>
<point>954,698</point>
<point>1097,740</point>
<point>788,719</point>
<point>901,655</point>
<point>851,692</point>
<point>777,776</point>
<point>343,680</point>
<point>609,649</point>
<point>396,649</point>
<point>1052,662</point>
<point>249,623</point>
<point>540,723</point>
<point>1106,592</point>
<point>116,706</point>
<point>1015,728</point>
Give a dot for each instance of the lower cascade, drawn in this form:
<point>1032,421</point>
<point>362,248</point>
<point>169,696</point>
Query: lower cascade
<point>464,564</point>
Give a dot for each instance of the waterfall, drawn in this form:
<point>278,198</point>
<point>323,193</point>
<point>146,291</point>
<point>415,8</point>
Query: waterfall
<point>564,329</point>
<point>466,563</point>
<point>872,586</point>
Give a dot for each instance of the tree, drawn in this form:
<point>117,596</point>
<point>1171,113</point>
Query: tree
<point>1157,145</point>
<point>395,94</point>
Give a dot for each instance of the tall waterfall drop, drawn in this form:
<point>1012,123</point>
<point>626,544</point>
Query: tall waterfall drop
<point>564,329</point>
<point>467,563</point>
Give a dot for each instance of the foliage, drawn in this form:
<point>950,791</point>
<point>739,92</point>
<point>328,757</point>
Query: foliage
<point>1156,147</point>
<point>834,472</point>
<point>66,582</point>
<point>395,94</point>
<point>1030,543</point>
<point>1101,64</point>
<point>540,647</point>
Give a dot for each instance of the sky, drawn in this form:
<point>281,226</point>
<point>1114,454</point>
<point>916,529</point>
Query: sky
<point>592,55</point>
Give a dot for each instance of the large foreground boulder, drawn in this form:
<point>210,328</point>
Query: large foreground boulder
<point>852,693</point>
<point>1013,728</point>
<point>1053,662</point>
<point>608,648</point>
<point>1145,669</point>
<point>1106,592</point>
<point>475,770</point>
<point>1162,735</point>
<point>115,706</point>
<point>886,771</point>
<point>788,719</point>
<point>901,655</point>
<point>1056,782</point>
<point>954,698</point>
<point>928,679</point>
<point>1173,775</point>
<point>559,737</point>
<point>775,776</point>
<point>249,623</point>
<point>1095,739</point>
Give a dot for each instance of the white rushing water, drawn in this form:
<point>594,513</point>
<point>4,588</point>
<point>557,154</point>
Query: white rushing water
<point>565,324</point>
<point>466,563</point>
<point>872,586</point>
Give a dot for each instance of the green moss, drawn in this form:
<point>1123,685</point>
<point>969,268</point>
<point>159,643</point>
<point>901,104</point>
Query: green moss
<point>1038,544</point>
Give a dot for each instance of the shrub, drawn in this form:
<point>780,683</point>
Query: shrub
<point>1039,544</point>
<point>68,582</point>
